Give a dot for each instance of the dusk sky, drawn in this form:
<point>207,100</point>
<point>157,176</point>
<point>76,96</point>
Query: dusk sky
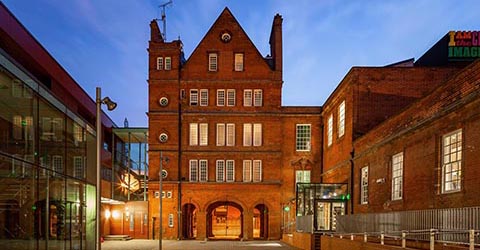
<point>103,42</point>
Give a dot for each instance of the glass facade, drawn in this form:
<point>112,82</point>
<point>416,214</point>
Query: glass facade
<point>47,168</point>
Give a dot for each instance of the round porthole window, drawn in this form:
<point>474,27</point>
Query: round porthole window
<point>163,101</point>
<point>163,137</point>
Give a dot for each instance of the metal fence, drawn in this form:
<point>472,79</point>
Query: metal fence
<point>448,221</point>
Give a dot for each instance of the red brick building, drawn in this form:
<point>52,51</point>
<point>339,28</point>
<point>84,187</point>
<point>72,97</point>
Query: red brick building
<point>230,151</point>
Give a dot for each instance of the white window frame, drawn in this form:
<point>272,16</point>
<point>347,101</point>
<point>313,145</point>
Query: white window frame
<point>247,171</point>
<point>330,130</point>
<point>257,171</point>
<point>303,140</point>
<point>230,134</point>
<point>57,164</point>
<point>170,220</point>
<point>257,97</point>
<point>231,97</point>
<point>193,171</point>
<point>247,134</point>
<point>79,167</point>
<point>203,135</point>
<point>247,97</point>
<point>220,171</point>
<point>194,97</point>
<point>364,185</point>
<point>203,170</point>
<point>397,176</point>
<point>212,62</point>
<point>452,151</point>
<point>302,176</point>
<point>220,97</point>
<point>257,134</point>
<point>230,171</point>
<point>341,119</point>
<point>239,61</point>
<point>221,134</point>
<point>204,97</point>
<point>168,63</point>
<point>159,63</point>
<point>193,133</point>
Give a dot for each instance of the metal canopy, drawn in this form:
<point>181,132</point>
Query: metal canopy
<point>137,135</point>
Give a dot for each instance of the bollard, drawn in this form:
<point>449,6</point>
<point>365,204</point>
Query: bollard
<point>351,237</point>
<point>472,240</point>
<point>364,237</point>
<point>432,239</point>
<point>382,238</point>
<point>341,236</point>
<point>404,240</point>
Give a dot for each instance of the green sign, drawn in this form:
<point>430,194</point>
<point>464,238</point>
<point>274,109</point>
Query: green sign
<point>286,209</point>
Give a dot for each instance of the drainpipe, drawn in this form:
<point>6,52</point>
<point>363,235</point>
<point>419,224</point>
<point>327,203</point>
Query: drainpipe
<point>352,176</point>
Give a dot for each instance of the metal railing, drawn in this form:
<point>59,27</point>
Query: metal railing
<point>431,237</point>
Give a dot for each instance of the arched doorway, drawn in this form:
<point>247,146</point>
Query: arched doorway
<point>260,222</point>
<point>225,220</point>
<point>189,220</point>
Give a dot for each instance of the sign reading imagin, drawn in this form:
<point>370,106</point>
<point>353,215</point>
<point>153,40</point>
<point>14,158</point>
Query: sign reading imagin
<point>464,44</point>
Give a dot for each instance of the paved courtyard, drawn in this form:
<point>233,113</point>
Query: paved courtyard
<point>194,244</point>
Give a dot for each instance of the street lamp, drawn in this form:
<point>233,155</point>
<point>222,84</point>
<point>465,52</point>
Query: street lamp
<point>160,196</point>
<point>110,106</point>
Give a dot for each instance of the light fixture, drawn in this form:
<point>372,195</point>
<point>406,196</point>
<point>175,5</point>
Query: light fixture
<point>111,105</point>
<point>115,214</point>
<point>107,214</point>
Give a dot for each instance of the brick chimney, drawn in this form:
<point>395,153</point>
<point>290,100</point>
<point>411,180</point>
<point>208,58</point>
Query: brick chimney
<point>276,43</point>
<point>155,34</point>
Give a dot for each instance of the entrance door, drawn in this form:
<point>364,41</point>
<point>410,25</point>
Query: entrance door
<point>326,214</point>
<point>225,221</point>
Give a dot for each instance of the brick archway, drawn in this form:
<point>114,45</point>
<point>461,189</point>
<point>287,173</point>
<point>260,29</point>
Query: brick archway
<point>189,221</point>
<point>224,220</point>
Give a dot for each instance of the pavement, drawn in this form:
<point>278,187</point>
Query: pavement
<point>195,244</point>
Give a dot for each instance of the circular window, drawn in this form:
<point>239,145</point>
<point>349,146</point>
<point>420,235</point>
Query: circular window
<point>163,137</point>
<point>163,101</point>
<point>164,173</point>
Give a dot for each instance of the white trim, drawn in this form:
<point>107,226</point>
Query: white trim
<point>212,62</point>
<point>221,97</point>
<point>341,119</point>
<point>302,139</point>
<point>193,134</point>
<point>364,185</point>
<point>247,98</point>
<point>397,176</point>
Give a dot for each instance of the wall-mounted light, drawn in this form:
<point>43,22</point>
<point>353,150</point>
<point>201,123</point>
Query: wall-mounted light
<point>115,214</point>
<point>107,214</point>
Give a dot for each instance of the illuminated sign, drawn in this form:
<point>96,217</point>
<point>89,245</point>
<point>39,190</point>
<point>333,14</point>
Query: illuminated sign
<point>463,44</point>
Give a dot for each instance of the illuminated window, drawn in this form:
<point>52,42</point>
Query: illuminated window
<point>78,167</point>
<point>238,62</point>
<point>212,62</point>
<point>341,119</point>
<point>193,97</point>
<point>168,63</point>
<point>330,130</point>
<point>247,134</point>
<point>364,185</point>
<point>247,97</point>
<point>159,63</point>
<point>257,134</point>
<point>220,97</point>
<point>204,97</point>
<point>17,127</point>
<point>257,98</point>
<point>452,162</point>
<point>257,171</point>
<point>203,134</point>
<point>303,137</point>
<point>220,134</point>
<point>302,176</point>
<point>230,134</point>
<point>397,176</point>
<point>247,171</point>
<point>193,134</point>
<point>77,133</point>
<point>57,164</point>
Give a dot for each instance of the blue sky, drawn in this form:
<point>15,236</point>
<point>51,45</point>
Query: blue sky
<point>103,42</point>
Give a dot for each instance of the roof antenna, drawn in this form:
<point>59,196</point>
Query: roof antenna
<point>164,18</point>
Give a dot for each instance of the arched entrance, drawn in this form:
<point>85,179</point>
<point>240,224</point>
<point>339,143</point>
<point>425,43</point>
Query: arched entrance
<point>225,220</point>
<point>260,222</point>
<point>189,220</point>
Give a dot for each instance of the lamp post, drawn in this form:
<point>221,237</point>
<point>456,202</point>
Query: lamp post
<point>110,106</point>
<point>160,196</point>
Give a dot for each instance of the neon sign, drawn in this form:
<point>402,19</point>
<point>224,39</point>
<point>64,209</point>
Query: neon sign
<point>464,44</point>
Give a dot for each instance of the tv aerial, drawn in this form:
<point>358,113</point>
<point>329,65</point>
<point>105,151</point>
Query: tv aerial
<point>164,18</point>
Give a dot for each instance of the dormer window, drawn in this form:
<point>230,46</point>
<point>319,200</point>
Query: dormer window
<point>212,62</point>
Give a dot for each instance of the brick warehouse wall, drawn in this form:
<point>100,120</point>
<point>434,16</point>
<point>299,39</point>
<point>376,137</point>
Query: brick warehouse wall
<point>417,132</point>
<point>277,152</point>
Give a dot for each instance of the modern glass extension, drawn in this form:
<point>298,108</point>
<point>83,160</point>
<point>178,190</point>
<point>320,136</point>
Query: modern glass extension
<point>47,168</point>
<point>318,206</point>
